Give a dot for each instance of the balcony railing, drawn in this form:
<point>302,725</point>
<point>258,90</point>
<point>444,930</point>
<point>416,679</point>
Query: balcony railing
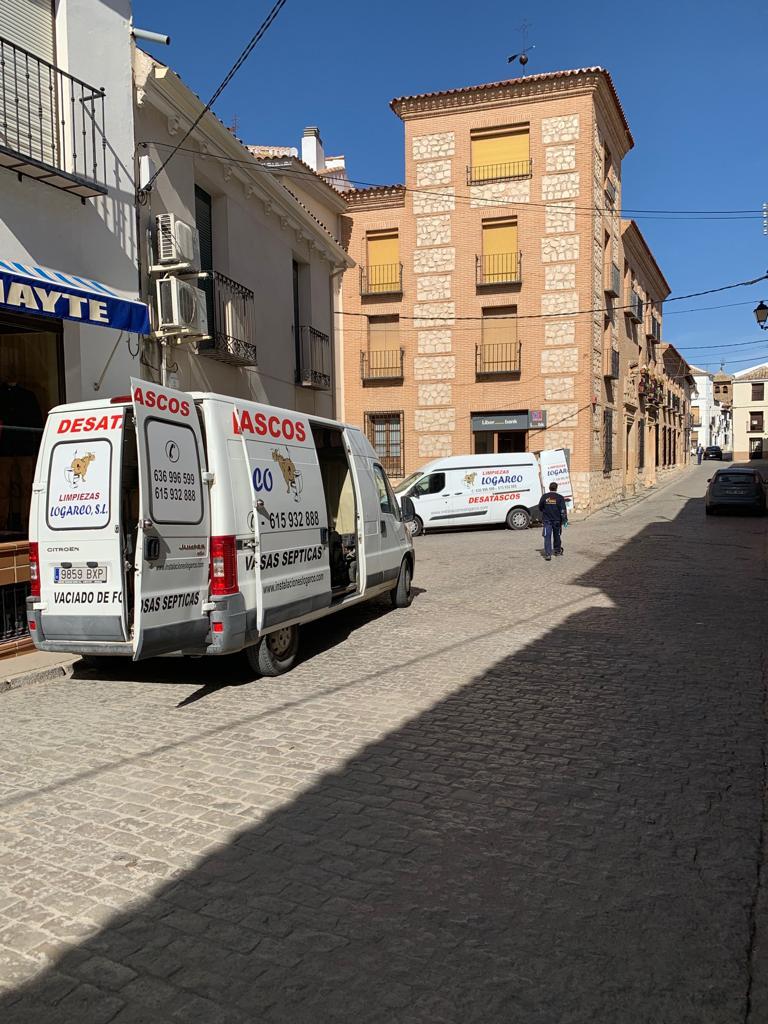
<point>231,320</point>
<point>613,281</point>
<point>610,193</point>
<point>654,329</point>
<point>499,268</point>
<point>314,358</point>
<point>51,124</point>
<point>484,174</point>
<point>494,360</point>
<point>384,364</point>
<point>634,307</point>
<point>611,364</point>
<point>384,279</point>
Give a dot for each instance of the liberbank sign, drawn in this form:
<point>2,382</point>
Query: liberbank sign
<point>40,291</point>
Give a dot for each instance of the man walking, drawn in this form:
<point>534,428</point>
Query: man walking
<point>699,453</point>
<point>554,514</point>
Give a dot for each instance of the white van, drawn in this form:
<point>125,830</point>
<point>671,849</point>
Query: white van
<point>173,523</point>
<point>472,490</point>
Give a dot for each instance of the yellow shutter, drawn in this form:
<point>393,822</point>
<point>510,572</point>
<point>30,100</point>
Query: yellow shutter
<point>494,152</point>
<point>383,268</point>
<point>384,334</point>
<point>499,236</point>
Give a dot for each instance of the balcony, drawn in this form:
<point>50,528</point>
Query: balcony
<point>610,193</point>
<point>231,320</point>
<point>634,307</point>
<point>499,268</point>
<point>498,360</point>
<point>385,279</point>
<point>611,364</point>
<point>51,124</point>
<point>613,282</point>
<point>382,365</point>
<point>654,329</point>
<point>313,349</point>
<point>485,174</point>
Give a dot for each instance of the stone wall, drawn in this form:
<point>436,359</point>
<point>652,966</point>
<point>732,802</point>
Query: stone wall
<point>434,341</point>
<point>433,287</point>
<point>435,394</point>
<point>496,193</point>
<point>561,247</point>
<point>434,261</point>
<point>434,419</point>
<point>433,172</point>
<point>433,147</point>
<point>434,368</point>
<point>433,230</point>
<point>440,199</point>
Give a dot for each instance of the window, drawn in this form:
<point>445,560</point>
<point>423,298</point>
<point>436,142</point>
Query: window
<point>607,440</point>
<point>717,389</point>
<point>432,484</point>
<point>499,350</point>
<point>758,392</point>
<point>756,422</point>
<point>382,271</point>
<point>204,225</point>
<point>385,432</point>
<point>79,485</point>
<point>383,333</point>
<point>500,260</point>
<point>641,444</point>
<point>500,153</point>
<point>387,500</point>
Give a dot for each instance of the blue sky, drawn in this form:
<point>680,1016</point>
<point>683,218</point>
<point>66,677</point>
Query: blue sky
<point>691,77</point>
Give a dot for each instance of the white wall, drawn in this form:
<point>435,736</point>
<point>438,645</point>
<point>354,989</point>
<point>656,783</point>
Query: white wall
<point>40,224</point>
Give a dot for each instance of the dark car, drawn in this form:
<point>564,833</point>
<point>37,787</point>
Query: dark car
<point>738,487</point>
<point>714,451</point>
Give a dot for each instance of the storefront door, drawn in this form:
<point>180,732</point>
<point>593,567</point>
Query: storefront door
<point>511,441</point>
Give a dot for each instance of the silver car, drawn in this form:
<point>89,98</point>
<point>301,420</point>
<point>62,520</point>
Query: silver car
<point>738,487</point>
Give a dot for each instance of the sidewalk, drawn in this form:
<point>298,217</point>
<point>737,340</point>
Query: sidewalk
<point>37,667</point>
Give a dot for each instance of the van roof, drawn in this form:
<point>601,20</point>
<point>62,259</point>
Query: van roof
<point>462,461</point>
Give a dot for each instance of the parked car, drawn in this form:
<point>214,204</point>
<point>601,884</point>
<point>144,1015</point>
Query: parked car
<point>714,451</point>
<point>738,487</point>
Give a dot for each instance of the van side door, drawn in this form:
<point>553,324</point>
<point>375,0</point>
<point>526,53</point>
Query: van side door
<point>290,519</point>
<point>393,537</point>
<point>173,545</point>
<point>431,499</point>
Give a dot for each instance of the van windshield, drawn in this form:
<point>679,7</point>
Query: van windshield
<point>408,482</point>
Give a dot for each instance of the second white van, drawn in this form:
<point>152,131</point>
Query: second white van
<point>475,490</point>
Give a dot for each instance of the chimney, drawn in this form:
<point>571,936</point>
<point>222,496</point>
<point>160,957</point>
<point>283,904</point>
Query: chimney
<point>312,149</point>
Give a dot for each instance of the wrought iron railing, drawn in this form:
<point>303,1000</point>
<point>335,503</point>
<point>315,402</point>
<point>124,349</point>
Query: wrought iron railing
<point>492,360</point>
<point>381,279</point>
<point>385,432</point>
<point>613,282</point>
<point>231,321</point>
<point>51,124</point>
<point>499,268</point>
<point>382,364</point>
<point>484,174</point>
<point>654,329</point>
<point>13,611</point>
<point>314,358</point>
<point>610,193</point>
<point>611,363</point>
<point>634,308</point>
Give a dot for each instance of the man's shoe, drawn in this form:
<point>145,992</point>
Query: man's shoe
<point>560,552</point>
<point>548,558</point>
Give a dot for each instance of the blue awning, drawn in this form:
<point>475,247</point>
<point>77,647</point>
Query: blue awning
<point>40,291</point>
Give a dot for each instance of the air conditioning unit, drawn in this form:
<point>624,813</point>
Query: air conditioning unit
<point>177,244</point>
<point>181,309</point>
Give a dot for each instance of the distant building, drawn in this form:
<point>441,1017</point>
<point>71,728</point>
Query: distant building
<point>501,303</point>
<point>711,411</point>
<point>750,413</point>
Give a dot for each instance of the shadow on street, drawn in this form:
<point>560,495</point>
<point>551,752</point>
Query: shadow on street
<point>571,837</point>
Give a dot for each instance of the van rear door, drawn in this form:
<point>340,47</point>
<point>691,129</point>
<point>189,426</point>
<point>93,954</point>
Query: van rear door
<point>77,502</point>
<point>290,517</point>
<point>172,551</point>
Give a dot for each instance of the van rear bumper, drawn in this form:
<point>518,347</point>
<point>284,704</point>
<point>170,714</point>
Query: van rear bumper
<point>228,625</point>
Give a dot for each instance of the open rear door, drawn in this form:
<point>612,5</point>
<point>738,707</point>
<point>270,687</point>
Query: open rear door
<point>172,556</point>
<point>289,512</point>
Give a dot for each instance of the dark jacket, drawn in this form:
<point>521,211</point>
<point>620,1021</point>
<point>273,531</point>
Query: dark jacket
<point>553,508</point>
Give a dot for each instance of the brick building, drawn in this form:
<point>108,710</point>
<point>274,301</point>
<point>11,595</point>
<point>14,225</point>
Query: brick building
<point>488,313</point>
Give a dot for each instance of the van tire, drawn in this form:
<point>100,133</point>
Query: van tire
<point>402,594</point>
<point>518,519</point>
<point>276,652</point>
<point>417,528</point>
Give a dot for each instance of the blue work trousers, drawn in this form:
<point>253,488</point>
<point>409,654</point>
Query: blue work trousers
<point>552,530</point>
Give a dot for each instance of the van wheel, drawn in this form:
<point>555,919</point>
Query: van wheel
<point>518,519</point>
<point>402,595</point>
<point>417,527</point>
<point>276,652</point>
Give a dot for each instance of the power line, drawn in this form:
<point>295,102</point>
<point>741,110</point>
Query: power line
<point>564,203</point>
<point>252,43</point>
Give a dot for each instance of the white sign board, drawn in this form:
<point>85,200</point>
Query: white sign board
<point>553,464</point>
<point>176,491</point>
<point>78,485</point>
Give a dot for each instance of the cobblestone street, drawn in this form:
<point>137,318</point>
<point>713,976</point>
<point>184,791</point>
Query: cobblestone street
<point>534,797</point>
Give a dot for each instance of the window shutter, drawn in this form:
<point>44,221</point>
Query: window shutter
<point>383,249</point>
<point>29,24</point>
<point>495,149</point>
<point>204,224</point>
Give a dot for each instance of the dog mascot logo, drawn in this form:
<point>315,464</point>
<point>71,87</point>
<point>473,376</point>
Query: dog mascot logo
<point>469,479</point>
<point>78,469</point>
<point>291,475</point>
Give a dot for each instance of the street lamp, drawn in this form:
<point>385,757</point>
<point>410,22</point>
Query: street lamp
<point>761,315</point>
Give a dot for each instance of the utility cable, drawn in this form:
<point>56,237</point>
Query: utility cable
<point>252,43</point>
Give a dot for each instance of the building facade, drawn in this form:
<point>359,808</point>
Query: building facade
<point>490,312</point>
<point>69,320</point>
<point>711,411</point>
<point>750,413</point>
<point>270,259</point>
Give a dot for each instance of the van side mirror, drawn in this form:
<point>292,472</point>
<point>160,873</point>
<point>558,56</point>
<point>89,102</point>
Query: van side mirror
<point>409,512</point>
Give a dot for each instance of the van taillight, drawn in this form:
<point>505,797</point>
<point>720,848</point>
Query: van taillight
<point>34,570</point>
<point>223,565</point>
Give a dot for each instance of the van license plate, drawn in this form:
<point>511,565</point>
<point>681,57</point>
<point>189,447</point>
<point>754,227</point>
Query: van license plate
<point>80,574</point>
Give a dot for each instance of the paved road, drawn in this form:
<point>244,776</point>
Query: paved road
<point>535,797</point>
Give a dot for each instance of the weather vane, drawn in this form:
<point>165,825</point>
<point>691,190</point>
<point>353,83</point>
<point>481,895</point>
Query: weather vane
<point>522,56</point>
